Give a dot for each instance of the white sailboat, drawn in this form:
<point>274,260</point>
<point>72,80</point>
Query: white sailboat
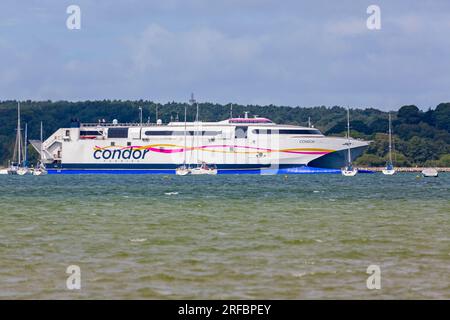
<point>15,166</point>
<point>389,169</point>
<point>183,170</point>
<point>430,172</point>
<point>202,167</point>
<point>349,170</point>
<point>40,168</point>
<point>23,170</point>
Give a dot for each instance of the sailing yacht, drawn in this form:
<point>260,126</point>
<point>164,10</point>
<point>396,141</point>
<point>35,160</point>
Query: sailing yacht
<point>349,170</point>
<point>183,170</point>
<point>389,169</point>
<point>202,167</point>
<point>17,165</point>
<point>23,170</point>
<point>40,168</point>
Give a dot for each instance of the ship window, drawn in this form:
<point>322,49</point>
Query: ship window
<point>159,133</point>
<point>240,132</point>
<point>90,133</point>
<point>181,133</point>
<point>128,143</point>
<point>113,144</point>
<point>286,131</point>
<point>118,133</point>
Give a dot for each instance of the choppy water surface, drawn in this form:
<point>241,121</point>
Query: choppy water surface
<point>225,237</point>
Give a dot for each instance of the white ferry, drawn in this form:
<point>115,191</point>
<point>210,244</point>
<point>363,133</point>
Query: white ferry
<point>236,145</point>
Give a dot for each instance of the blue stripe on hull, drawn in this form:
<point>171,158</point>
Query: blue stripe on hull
<point>170,169</point>
<point>298,170</point>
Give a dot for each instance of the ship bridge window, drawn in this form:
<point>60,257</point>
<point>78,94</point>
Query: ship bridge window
<point>181,133</point>
<point>90,133</point>
<point>118,133</point>
<point>287,131</point>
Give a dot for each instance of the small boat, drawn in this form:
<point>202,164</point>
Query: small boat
<point>24,170</point>
<point>204,168</point>
<point>12,168</point>
<point>389,169</point>
<point>430,172</point>
<point>349,170</point>
<point>21,171</point>
<point>3,171</point>
<point>183,170</point>
<point>19,163</point>
<point>39,171</point>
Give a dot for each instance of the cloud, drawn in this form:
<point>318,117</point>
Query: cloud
<point>258,51</point>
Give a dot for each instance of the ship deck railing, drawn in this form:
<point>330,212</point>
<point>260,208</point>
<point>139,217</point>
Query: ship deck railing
<point>124,124</point>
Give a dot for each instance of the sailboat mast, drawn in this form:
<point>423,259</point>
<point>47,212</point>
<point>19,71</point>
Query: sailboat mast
<point>390,139</point>
<point>348,136</point>
<point>19,136</point>
<point>184,149</point>
<point>42,149</point>
<point>197,129</point>
<point>25,157</point>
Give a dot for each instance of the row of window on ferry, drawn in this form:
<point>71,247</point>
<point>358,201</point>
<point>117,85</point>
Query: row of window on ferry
<point>240,132</point>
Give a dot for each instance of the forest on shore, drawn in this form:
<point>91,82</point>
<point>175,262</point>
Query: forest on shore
<point>421,138</point>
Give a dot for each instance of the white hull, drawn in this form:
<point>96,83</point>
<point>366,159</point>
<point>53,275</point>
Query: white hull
<point>39,172</point>
<point>349,173</point>
<point>196,171</point>
<point>388,172</point>
<point>430,173</point>
<point>182,172</point>
<point>23,171</point>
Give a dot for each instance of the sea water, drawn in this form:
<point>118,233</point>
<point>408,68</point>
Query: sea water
<point>225,237</point>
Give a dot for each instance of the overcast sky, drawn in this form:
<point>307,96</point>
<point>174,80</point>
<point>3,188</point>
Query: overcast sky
<point>298,53</point>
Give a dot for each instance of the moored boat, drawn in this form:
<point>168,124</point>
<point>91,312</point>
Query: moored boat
<point>349,170</point>
<point>430,172</point>
<point>389,169</point>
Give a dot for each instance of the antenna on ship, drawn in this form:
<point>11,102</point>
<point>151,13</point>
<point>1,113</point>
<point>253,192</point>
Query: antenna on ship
<point>140,116</point>
<point>309,122</point>
<point>140,122</point>
<point>193,101</point>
